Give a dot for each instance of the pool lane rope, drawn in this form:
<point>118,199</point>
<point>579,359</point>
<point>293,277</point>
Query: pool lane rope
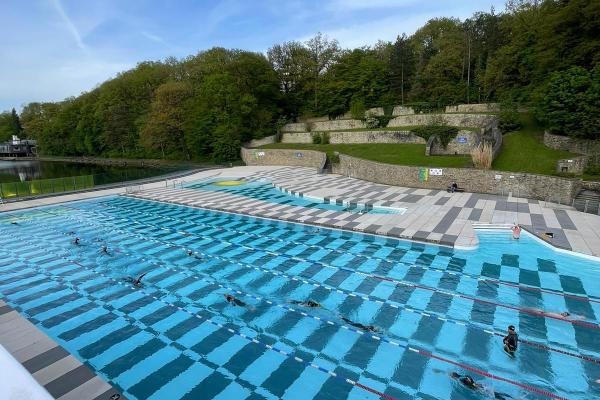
<point>160,264</point>
<point>471,276</point>
<point>311,364</point>
<point>378,277</point>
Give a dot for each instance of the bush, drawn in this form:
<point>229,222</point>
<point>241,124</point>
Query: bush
<point>509,119</point>
<point>388,110</point>
<point>357,109</point>
<point>316,138</point>
<point>325,138</point>
<point>372,121</point>
<point>423,107</point>
<point>444,133</point>
<point>384,120</point>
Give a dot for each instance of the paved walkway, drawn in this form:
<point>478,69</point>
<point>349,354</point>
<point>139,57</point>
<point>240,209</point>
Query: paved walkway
<point>432,215</point>
<point>63,376</point>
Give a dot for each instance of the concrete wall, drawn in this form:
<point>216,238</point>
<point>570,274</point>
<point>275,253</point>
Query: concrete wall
<point>578,146</point>
<point>357,137</point>
<point>300,158</point>
<point>460,120</point>
<point>539,187</point>
<point>473,108</point>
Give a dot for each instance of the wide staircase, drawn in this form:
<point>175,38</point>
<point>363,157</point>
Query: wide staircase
<point>588,201</point>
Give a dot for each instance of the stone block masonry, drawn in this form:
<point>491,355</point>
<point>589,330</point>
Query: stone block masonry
<point>355,137</point>
<point>473,108</point>
<point>300,158</point>
<point>460,120</point>
<point>577,146</point>
<point>540,187</point>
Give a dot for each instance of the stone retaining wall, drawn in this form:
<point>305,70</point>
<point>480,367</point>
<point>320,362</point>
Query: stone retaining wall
<point>532,186</point>
<point>356,137</point>
<point>591,185</point>
<point>300,158</point>
<point>396,111</point>
<point>261,142</point>
<point>473,108</point>
<point>463,143</point>
<point>575,165</point>
<point>460,120</point>
<point>578,146</point>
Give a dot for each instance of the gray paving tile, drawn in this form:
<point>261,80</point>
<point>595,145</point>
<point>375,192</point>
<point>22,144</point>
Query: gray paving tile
<point>538,221</point>
<point>564,220</point>
<point>69,381</point>
<point>441,201</point>
<point>5,309</point>
<point>447,220</point>
<point>412,198</point>
<point>45,359</point>
<point>475,214</point>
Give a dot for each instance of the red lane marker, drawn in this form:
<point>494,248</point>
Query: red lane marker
<point>492,376</point>
<point>535,289</point>
<point>464,296</point>
<point>378,393</point>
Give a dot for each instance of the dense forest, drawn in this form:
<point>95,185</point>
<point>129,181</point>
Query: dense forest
<point>543,54</point>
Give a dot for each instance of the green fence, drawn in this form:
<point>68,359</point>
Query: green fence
<point>45,186</point>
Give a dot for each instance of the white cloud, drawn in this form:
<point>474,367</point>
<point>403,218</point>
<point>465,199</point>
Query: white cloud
<point>69,25</point>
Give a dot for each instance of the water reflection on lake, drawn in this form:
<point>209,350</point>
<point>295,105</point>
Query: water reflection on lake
<point>27,170</point>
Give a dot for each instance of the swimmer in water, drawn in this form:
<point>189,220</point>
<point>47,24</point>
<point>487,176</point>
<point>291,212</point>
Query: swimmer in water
<point>105,250</point>
<point>15,223</point>
<point>137,282</point>
<point>516,230</point>
<point>309,303</point>
<point>511,341</point>
<point>468,382</point>
<point>236,302</point>
<point>196,256</point>
<point>76,241</point>
<point>567,316</point>
<point>366,328</point>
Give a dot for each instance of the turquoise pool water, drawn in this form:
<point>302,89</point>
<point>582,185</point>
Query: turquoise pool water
<point>436,310</point>
<point>263,190</point>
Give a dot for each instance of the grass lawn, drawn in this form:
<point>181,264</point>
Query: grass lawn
<point>524,151</point>
<point>402,154</point>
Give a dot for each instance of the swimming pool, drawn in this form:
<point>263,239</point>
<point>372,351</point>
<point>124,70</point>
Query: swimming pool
<point>438,310</point>
<point>266,191</point>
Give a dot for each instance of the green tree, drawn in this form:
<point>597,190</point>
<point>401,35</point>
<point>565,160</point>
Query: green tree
<point>402,67</point>
<point>571,104</point>
<point>323,53</point>
<point>163,128</point>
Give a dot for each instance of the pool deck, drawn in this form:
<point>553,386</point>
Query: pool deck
<point>61,374</point>
<point>432,216</point>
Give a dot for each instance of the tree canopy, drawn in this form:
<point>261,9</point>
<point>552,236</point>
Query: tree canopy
<point>538,53</point>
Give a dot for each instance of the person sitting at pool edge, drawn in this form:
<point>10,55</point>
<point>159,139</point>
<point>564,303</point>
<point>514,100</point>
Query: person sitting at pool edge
<point>511,341</point>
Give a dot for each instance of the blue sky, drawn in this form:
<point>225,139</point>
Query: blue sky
<point>52,49</point>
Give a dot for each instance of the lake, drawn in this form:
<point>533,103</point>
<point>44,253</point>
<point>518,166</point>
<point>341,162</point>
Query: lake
<point>28,170</point>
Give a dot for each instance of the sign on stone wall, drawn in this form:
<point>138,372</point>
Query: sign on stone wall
<point>461,139</point>
<point>299,155</point>
<point>436,171</point>
<point>423,174</point>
